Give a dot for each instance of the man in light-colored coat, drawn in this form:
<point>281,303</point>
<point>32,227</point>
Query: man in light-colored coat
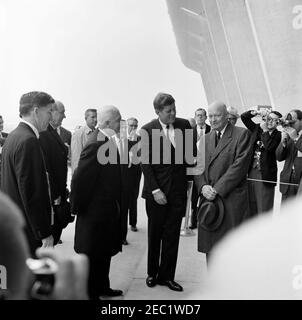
<point>226,167</point>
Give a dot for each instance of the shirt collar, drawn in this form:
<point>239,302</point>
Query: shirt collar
<point>32,127</point>
<point>87,129</point>
<point>164,126</point>
<point>104,133</point>
<point>203,127</point>
<point>222,131</point>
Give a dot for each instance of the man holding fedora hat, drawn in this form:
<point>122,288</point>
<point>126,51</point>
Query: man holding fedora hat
<point>223,184</point>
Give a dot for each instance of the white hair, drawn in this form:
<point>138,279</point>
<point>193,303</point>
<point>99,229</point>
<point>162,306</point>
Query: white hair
<point>106,114</point>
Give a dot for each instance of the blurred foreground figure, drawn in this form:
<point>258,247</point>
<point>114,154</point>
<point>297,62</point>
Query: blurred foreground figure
<point>260,260</point>
<point>17,280</point>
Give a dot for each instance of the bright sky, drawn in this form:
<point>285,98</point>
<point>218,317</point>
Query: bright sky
<point>89,53</point>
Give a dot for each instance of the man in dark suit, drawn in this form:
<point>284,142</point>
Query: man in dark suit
<point>55,154</point>
<point>265,139</point>
<point>131,174</point>
<point>227,159</point>
<point>199,130</point>
<point>65,135</point>
<point>95,198</point>
<point>24,176</point>
<point>165,189</point>
<point>290,150</point>
<point>135,172</point>
<point>3,137</point>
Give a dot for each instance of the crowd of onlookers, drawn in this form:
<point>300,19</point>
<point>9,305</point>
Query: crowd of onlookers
<point>234,170</point>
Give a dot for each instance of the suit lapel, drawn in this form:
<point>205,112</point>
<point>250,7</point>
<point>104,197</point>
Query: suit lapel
<point>224,141</point>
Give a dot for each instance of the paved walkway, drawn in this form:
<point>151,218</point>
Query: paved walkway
<point>128,269</point>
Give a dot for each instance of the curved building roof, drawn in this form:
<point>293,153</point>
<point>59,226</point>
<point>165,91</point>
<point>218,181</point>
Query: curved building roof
<point>248,52</point>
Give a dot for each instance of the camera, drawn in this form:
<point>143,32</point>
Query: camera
<point>44,271</point>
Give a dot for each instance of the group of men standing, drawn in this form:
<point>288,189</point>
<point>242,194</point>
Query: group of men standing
<point>235,178</point>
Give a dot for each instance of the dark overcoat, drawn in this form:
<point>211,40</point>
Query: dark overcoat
<point>95,199</point>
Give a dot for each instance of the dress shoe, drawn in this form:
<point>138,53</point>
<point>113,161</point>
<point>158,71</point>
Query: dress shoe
<point>112,293</point>
<point>151,281</point>
<point>60,241</point>
<point>171,285</point>
<point>193,226</point>
<point>133,228</point>
<point>125,242</point>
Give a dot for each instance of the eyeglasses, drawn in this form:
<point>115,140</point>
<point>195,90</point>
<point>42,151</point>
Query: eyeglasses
<point>271,119</point>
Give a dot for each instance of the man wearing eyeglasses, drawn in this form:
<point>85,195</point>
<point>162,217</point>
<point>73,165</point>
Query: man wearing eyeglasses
<point>263,168</point>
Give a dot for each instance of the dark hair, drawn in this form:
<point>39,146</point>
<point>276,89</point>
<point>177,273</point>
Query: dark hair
<point>298,113</point>
<point>34,99</point>
<point>89,110</point>
<point>201,109</point>
<point>278,114</point>
<point>161,100</point>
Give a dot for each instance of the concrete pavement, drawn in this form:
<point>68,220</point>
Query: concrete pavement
<point>128,269</point>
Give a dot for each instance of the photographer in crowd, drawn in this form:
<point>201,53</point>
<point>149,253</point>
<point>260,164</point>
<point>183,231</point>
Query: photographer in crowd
<point>264,141</point>
<point>290,150</point>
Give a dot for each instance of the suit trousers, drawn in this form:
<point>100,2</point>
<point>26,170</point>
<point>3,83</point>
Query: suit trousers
<point>164,223</point>
<point>56,230</point>
<point>98,280</point>
<point>261,195</point>
<point>133,201</point>
<point>194,201</point>
<point>124,213</point>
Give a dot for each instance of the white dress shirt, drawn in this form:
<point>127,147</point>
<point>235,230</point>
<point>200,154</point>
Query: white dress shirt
<point>170,134</point>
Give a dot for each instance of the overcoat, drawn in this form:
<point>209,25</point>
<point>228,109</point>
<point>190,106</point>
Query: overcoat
<point>226,168</point>
<point>95,199</point>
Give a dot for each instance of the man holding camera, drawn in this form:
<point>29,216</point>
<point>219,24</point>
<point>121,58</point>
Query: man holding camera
<point>264,141</point>
<point>290,150</point>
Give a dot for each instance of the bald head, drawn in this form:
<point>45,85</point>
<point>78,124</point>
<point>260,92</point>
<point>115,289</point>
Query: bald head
<point>218,115</point>
<point>58,114</point>
<point>59,105</point>
<point>109,117</point>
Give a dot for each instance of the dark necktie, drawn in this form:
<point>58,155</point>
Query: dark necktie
<point>200,133</point>
<point>168,135</point>
<point>218,136</point>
